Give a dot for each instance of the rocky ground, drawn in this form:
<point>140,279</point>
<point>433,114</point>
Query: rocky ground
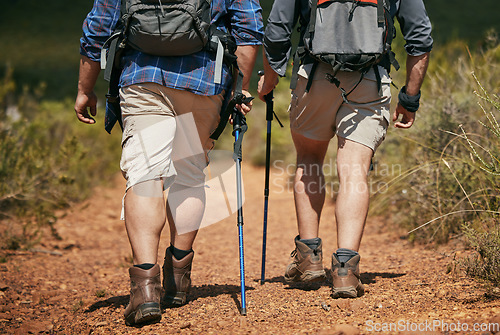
<point>79,285</point>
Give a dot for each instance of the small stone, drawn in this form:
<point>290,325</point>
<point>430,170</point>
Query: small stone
<point>185,325</point>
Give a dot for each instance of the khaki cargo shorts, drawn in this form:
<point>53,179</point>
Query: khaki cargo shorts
<point>322,113</point>
<point>166,134</point>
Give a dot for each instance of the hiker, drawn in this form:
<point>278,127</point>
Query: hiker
<point>355,106</point>
<point>158,95</point>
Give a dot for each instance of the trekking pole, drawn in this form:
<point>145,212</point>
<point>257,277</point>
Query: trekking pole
<point>239,128</point>
<point>269,118</point>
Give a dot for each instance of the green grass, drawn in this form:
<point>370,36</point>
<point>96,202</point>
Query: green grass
<point>484,263</point>
<point>48,161</point>
<point>441,174</point>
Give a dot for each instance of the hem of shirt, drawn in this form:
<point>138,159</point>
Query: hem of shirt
<point>197,92</point>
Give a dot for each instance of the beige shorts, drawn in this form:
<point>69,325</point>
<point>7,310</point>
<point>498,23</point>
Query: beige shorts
<point>322,113</point>
<point>166,134</point>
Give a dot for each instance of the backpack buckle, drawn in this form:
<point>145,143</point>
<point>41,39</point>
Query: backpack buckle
<point>332,79</point>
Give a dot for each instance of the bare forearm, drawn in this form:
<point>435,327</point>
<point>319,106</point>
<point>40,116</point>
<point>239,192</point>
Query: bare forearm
<point>89,71</point>
<point>86,100</point>
<point>247,55</point>
<point>416,68</point>
<point>269,81</point>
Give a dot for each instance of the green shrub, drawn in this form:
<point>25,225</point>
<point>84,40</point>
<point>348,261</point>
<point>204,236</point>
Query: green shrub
<point>484,264</point>
<point>449,158</point>
<point>48,160</point>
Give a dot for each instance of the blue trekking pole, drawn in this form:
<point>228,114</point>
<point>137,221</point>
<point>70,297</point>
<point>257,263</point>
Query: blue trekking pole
<point>269,118</point>
<point>239,128</point>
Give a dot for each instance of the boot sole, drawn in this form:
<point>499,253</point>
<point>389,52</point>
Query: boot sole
<point>146,313</point>
<point>307,277</point>
<point>347,292</point>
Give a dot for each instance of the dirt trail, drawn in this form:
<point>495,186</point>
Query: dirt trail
<point>79,285</point>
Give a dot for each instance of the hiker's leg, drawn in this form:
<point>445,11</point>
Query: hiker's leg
<point>351,206</point>
<point>149,129</point>
<point>309,191</point>
<point>306,261</point>
<point>144,220</point>
<point>196,117</point>
<point>185,208</point>
<point>312,124</point>
<point>361,127</point>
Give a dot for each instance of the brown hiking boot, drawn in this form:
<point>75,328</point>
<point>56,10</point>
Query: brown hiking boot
<point>345,276</point>
<point>307,264</point>
<point>145,293</point>
<point>176,279</point>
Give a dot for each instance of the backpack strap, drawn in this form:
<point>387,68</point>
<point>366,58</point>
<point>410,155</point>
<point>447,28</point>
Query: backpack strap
<point>227,108</point>
<point>379,80</point>
<point>108,54</point>
<point>312,20</point>
<point>334,80</point>
<point>113,110</point>
<point>301,50</point>
<point>225,46</point>
<point>380,13</point>
<point>299,54</point>
<point>110,63</point>
<point>218,60</point>
<point>311,76</point>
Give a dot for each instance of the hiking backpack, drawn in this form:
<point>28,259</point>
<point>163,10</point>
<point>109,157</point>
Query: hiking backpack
<point>350,35</point>
<point>166,28</point>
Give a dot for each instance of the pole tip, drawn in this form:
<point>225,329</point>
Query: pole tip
<point>243,311</point>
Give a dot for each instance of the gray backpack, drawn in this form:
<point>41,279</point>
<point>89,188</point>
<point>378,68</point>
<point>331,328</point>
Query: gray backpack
<point>166,27</point>
<point>350,35</point>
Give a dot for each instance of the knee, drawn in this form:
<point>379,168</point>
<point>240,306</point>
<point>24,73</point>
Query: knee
<point>148,189</point>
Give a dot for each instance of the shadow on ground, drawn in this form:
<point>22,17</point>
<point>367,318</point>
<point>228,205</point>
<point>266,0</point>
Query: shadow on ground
<point>370,277</point>
<point>214,290</point>
<point>116,302</point>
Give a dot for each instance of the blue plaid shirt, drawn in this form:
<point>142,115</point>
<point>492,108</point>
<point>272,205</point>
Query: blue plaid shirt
<point>194,72</point>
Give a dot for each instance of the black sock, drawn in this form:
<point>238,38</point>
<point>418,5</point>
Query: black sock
<point>178,253</point>
<point>312,243</point>
<point>344,255</point>
<point>144,266</point>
